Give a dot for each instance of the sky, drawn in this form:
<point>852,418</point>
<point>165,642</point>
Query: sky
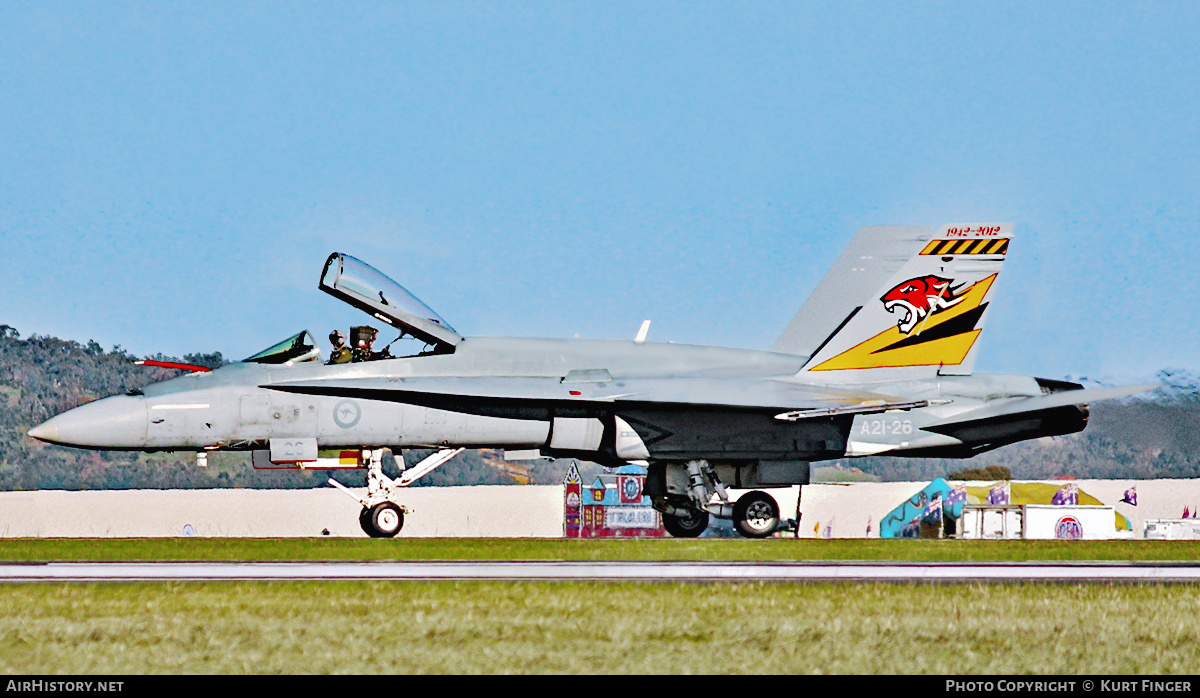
<point>174,175</point>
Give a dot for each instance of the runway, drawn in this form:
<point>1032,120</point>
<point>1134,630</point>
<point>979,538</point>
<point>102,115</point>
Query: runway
<point>922,572</point>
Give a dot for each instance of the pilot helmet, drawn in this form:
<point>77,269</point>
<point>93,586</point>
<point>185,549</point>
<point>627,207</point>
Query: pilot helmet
<point>361,335</point>
<point>337,337</point>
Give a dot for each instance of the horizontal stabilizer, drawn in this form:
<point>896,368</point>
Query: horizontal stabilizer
<point>1044,402</point>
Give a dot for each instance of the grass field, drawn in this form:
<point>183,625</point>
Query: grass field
<point>67,549</point>
<point>572,627</point>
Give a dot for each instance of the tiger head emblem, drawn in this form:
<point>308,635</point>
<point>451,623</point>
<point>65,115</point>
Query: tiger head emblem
<point>919,298</point>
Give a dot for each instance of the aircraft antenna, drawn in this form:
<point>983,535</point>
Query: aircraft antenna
<point>642,332</point>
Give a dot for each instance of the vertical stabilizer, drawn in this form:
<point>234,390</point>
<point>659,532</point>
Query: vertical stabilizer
<point>870,260</point>
<point>923,311</point>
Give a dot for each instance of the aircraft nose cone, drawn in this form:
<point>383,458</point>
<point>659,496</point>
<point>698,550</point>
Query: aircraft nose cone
<point>114,422</point>
<point>46,431</point>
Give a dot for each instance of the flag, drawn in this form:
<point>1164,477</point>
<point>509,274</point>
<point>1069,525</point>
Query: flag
<point>1069,494</point>
<point>933,512</point>
<point>955,501</point>
<point>1185,513</point>
<point>817,528</point>
<point>829,530</point>
<point>1131,496</point>
<point>1000,494</point>
<point>868,527</point>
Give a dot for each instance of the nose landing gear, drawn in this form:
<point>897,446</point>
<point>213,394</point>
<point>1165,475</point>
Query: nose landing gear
<point>381,515</point>
<point>384,520</point>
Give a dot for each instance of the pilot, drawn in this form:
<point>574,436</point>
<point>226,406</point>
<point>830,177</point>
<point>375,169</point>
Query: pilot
<point>363,338</point>
<point>341,353</point>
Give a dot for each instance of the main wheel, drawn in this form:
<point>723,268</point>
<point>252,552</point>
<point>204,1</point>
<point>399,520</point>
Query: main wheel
<point>755,514</point>
<point>688,525</point>
<point>384,520</point>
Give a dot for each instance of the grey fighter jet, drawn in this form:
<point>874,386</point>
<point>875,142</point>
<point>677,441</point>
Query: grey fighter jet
<point>878,360</point>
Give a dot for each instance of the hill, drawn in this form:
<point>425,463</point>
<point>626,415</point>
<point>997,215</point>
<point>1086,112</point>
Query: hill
<point>44,376</point>
<point>1155,436</point>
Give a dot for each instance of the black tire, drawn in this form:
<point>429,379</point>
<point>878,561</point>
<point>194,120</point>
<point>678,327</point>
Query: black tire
<point>385,519</point>
<point>756,515</point>
<point>689,525</point>
<point>364,522</point>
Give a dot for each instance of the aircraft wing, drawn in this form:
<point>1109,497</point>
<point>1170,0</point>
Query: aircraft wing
<point>1005,408</point>
<point>534,395</point>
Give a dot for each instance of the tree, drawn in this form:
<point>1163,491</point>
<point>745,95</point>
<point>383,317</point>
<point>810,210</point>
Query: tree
<point>991,472</point>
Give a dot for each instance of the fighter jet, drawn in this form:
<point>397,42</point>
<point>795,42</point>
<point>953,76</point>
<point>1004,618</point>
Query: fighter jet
<point>878,360</point>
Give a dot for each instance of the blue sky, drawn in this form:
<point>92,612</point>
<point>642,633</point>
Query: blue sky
<point>173,175</point>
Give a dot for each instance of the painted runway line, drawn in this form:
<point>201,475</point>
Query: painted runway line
<point>946,572</point>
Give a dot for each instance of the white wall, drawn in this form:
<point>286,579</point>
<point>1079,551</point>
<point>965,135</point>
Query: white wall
<point>849,507</point>
<point>486,510</point>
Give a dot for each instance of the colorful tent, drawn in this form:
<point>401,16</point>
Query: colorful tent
<point>905,520</point>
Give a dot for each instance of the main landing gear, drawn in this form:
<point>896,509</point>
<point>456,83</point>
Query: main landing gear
<point>381,515</point>
<point>686,522</point>
<point>756,514</point>
<point>687,495</point>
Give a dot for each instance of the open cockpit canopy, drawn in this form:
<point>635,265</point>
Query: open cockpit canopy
<point>295,349</point>
<point>364,287</point>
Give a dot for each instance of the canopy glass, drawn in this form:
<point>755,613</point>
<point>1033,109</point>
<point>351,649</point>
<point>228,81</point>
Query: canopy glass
<point>366,288</point>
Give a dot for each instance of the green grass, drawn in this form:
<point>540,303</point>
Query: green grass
<point>594,628</point>
<point>65,549</point>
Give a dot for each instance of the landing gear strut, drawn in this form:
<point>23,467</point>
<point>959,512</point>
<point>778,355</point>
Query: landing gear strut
<point>381,515</point>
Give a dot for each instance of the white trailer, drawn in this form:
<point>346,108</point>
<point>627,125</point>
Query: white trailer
<point>1051,521</point>
<point>1172,529</point>
<point>991,521</point>
<point>1038,522</point>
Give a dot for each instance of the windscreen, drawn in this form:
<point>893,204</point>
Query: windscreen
<point>295,349</point>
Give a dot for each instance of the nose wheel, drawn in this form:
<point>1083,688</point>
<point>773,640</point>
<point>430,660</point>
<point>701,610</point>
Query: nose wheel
<point>384,520</point>
<point>381,516</point>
